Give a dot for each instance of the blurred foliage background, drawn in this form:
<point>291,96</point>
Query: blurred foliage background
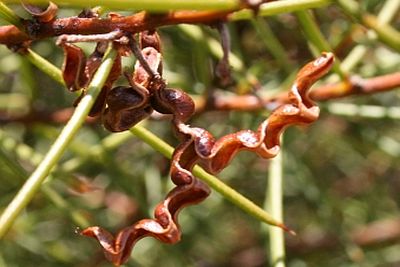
<point>341,174</point>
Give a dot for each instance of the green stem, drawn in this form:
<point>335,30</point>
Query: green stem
<point>152,140</point>
<point>227,192</point>
<point>315,36</point>
<point>32,185</point>
<point>151,5</point>
<point>364,111</point>
<point>9,16</point>
<point>385,33</point>
<point>96,152</point>
<point>387,13</point>
<point>272,43</point>
<point>214,46</point>
<point>45,66</point>
<point>274,205</point>
<point>279,7</point>
<point>267,9</point>
<point>353,58</point>
<point>20,173</point>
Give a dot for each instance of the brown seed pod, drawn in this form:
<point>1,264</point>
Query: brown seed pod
<point>197,145</point>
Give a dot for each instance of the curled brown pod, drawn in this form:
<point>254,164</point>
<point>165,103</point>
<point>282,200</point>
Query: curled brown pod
<point>163,227</point>
<point>38,13</point>
<point>214,155</point>
<point>125,107</point>
<point>77,71</point>
<point>199,146</point>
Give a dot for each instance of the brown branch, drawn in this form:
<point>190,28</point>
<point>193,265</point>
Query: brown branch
<point>354,86</point>
<point>11,35</point>
<point>357,86</point>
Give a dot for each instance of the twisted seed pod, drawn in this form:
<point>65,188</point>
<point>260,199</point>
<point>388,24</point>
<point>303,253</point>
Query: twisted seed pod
<point>214,155</point>
<point>199,146</point>
<point>39,14</point>
<point>125,107</point>
<point>77,72</point>
<point>163,227</point>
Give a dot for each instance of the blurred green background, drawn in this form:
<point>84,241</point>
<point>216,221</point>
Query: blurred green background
<point>341,174</point>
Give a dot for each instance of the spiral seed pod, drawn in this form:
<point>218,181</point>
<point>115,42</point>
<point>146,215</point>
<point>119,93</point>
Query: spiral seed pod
<point>199,146</point>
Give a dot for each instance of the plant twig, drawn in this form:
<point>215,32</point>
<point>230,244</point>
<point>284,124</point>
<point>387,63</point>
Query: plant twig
<point>357,86</point>
<point>151,5</point>
<point>32,185</point>
<point>11,35</point>
<point>274,204</point>
<point>353,86</point>
<point>279,7</point>
<point>44,65</point>
<point>9,16</point>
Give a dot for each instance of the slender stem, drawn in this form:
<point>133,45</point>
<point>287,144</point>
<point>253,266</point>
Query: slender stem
<point>267,9</point>
<point>32,185</point>
<point>154,141</point>
<point>385,33</point>
<point>45,66</point>
<point>20,173</point>
<point>96,152</point>
<point>274,205</point>
<point>365,111</point>
<point>214,47</point>
<point>272,43</point>
<point>387,13</point>
<point>227,192</point>
<point>151,5</point>
<point>357,86</point>
<point>137,22</point>
<point>315,36</point>
<point>279,7</point>
<point>9,16</point>
<point>353,57</point>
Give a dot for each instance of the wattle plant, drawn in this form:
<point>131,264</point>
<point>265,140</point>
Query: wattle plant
<point>117,97</point>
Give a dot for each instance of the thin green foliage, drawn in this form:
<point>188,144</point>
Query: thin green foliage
<point>32,185</point>
<point>274,204</point>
